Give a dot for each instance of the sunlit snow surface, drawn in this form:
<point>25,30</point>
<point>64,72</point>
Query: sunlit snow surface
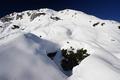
<point>23,50</point>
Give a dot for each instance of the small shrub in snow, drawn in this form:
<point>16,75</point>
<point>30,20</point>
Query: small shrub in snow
<point>71,59</point>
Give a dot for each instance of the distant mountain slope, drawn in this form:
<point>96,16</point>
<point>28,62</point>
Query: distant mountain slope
<point>67,29</point>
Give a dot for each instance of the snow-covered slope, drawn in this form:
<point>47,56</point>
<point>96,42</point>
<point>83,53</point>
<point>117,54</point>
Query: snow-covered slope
<point>65,29</point>
<point>24,58</point>
<point>100,66</point>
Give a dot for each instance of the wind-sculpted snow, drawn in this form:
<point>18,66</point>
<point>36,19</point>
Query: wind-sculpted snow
<point>99,66</point>
<point>50,31</point>
<point>25,58</point>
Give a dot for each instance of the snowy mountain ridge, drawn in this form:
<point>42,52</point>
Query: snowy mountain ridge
<point>44,31</point>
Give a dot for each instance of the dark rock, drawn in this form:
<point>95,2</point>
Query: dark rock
<point>95,24</point>
<point>118,27</point>
<point>19,16</point>
<point>15,27</point>
<point>6,18</point>
<point>34,15</point>
<point>102,24</point>
<point>28,13</point>
<point>67,42</point>
<point>55,18</point>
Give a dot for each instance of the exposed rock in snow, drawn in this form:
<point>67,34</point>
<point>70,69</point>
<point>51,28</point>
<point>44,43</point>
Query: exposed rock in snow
<point>59,30</point>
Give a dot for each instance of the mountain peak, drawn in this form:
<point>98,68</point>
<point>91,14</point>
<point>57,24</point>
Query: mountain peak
<point>69,32</point>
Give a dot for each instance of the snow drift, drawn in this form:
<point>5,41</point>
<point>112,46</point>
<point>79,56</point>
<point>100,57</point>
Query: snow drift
<point>24,59</point>
<point>100,66</point>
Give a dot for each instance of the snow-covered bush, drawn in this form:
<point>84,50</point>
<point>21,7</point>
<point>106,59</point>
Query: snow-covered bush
<point>72,59</point>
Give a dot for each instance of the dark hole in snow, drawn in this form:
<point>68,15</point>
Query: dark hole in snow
<point>95,24</point>
<point>15,27</point>
<point>67,42</point>
<point>55,18</point>
<point>71,59</point>
<point>51,55</point>
<point>0,26</point>
<point>40,36</point>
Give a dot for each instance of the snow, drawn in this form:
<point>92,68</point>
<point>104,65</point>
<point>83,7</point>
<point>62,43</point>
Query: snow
<point>102,66</point>
<point>24,59</point>
<point>35,38</point>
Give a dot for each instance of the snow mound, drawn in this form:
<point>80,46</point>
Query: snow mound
<point>24,58</point>
<point>102,66</point>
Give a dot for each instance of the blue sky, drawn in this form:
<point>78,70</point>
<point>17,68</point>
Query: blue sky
<point>105,9</point>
